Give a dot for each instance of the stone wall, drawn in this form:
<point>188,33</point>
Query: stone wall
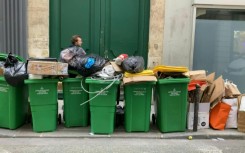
<point>155,54</point>
<point>38,28</point>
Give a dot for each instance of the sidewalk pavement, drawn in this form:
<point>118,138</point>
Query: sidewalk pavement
<point>84,132</point>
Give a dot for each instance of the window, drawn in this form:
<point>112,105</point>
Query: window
<point>220,44</point>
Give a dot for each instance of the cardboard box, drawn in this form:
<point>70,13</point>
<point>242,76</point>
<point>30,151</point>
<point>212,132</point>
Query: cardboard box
<point>218,92</point>
<point>1,71</point>
<point>241,115</point>
<point>197,75</point>
<point>47,68</point>
<point>60,86</point>
<point>139,79</point>
<point>116,67</point>
<point>62,68</point>
<point>241,121</point>
<point>203,116</point>
<point>210,78</point>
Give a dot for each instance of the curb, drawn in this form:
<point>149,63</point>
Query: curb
<point>120,133</point>
<point>138,136</point>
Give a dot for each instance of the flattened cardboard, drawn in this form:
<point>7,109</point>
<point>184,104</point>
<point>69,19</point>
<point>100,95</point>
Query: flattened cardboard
<point>241,116</point>
<point>210,78</point>
<point>47,68</point>
<point>203,89</point>
<point>241,121</point>
<point>197,75</point>
<point>139,79</point>
<point>116,67</point>
<point>62,68</point>
<point>219,89</point>
<point>203,115</point>
<point>1,71</point>
<point>208,93</point>
<point>234,90</point>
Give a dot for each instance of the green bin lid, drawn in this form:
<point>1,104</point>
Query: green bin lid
<point>174,80</point>
<point>141,82</point>
<point>72,79</point>
<point>4,56</point>
<point>31,81</point>
<point>97,81</point>
<point>2,78</point>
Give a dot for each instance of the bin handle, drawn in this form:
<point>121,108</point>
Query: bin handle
<point>99,92</point>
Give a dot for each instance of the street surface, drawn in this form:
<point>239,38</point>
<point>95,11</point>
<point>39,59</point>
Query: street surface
<point>119,145</point>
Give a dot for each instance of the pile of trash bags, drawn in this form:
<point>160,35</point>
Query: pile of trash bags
<point>95,65</point>
<point>14,69</point>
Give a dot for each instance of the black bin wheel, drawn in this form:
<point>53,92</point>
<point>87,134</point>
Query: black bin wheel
<point>59,119</point>
<point>153,117</point>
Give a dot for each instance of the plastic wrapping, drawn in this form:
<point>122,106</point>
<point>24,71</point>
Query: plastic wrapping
<point>15,71</point>
<point>70,55</point>
<point>90,64</point>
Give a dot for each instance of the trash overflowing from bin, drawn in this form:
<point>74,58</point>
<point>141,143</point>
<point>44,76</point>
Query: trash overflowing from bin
<point>171,98</point>
<point>107,95</point>
<point>13,93</point>
<point>138,95</point>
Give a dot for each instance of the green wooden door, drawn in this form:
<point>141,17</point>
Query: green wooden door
<point>108,27</point>
<point>70,17</point>
<point>126,27</point>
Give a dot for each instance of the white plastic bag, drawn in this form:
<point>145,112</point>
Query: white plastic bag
<point>232,118</point>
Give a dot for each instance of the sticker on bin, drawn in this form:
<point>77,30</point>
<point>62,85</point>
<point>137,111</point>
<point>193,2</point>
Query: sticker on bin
<point>42,91</point>
<point>174,93</point>
<point>139,91</point>
<point>4,89</point>
<point>75,91</point>
<point>104,93</point>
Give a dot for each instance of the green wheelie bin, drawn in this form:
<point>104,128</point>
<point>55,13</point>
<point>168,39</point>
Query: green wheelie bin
<point>14,101</point>
<point>102,105</point>
<point>73,94</point>
<point>172,104</point>
<point>138,106</point>
<point>13,105</point>
<point>43,102</point>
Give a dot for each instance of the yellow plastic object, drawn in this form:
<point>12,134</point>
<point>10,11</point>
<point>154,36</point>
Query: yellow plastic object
<point>143,73</point>
<point>163,68</point>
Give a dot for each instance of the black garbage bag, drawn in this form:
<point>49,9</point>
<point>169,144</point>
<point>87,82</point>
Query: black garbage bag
<point>90,64</point>
<point>133,64</point>
<point>14,71</point>
<point>69,55</point>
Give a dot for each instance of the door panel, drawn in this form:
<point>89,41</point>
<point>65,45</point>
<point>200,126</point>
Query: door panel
<point>122,31</point>
<point>126,23</point>
<point>108,27</point>
<point>76,19</point>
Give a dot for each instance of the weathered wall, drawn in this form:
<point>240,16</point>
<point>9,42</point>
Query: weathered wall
<point>156,33</point>
<point>38,28</point>
<point>177,32</point>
